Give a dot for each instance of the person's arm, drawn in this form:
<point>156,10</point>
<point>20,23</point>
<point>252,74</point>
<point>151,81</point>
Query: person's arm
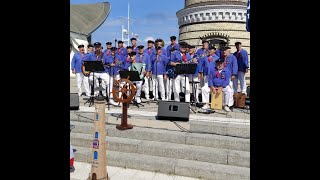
<point>168,51</point>
<point>172,58</point>
<point>246,60</point>
<point>211,75</point>
<point>234,68</point>
<point>73,64</point>
<point>226,79</point>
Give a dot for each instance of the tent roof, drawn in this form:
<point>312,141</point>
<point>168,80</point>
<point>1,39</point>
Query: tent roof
<point>86,18</point>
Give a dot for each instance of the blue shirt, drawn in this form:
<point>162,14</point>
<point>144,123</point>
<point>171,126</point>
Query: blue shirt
<point>202,51</point>
<point>150,51</point>
<point>176,46</point>
<point>88,54</point>
<point>231,64</point>
<point>135,49</point>
<point>144,58</point>
<point>77,62</point>
<point>242,60</point>
<point>198,65</point>
<point>164,51</point>
<point>122,52</point>
<point>127,62</point>
<point>159,65</point>
<point>177,57</point>
<point>220,53</point>
<point>118,60</point>
<point>93,57</point>
<point>217,79</point>
<point>107,52</point>
<point>206,65</point>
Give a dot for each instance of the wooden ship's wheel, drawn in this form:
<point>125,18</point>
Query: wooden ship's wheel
<point>127,90</point>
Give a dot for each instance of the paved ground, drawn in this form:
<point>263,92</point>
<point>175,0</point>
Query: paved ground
<point>152,107</point>
<point>82,171</point>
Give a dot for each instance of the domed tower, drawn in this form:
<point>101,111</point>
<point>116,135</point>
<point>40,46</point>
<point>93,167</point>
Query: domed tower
<point>215,21</point>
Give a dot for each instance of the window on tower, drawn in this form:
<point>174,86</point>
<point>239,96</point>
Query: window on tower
<point>95,155</point>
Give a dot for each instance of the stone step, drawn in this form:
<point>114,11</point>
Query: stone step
<point>225,129</point>
<point>178,137</point>
<point>181,167</point>
<point>170,150</point>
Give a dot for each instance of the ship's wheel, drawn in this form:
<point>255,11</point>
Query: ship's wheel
<point>126,88</point>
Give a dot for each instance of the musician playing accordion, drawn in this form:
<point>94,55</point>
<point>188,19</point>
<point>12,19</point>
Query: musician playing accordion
<point>139,64</point>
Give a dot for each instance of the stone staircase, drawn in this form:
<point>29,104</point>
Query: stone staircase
<point>214,151</point>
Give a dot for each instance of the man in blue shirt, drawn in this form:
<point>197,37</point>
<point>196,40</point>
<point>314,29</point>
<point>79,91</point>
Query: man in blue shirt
<point>159,62</point>
<point>144,58</point>
<point>76,67</point>
<point>242,60</point>
<point>172,45</point>
<point>89,49</point>
<point>219,78</point>
<point>195,77</point>
<point>98,55</point>
<point>206,63</point>
<point>169,81</point>
<point>121,51</point>
<point>181,57</point>
<point>230,62</point>
<point>115,63</point>
<point>134,45</point>
<point>127,59</point>
<point>160,42</point>
<point>150,50</point>
<point>219,52</point>
<point>204,49</point>
<point>107,52</point>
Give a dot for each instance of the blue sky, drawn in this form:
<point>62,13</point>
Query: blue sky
<point>152,19</point>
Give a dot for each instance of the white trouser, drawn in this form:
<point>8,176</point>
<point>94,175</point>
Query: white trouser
<point>227,94</point>
<point>179,81</point>
<point>169,85</point>
<point>111,85</point>
<point>158,84</point>
<point>81,79</point>
<point>243,85</point>
<point>105,81</point>
<point>196,86</point>
<point>138,88</point>
<point>146,87</point>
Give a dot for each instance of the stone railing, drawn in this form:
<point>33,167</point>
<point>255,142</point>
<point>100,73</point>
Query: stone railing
<point>232,13</point>
<point>191,2</point>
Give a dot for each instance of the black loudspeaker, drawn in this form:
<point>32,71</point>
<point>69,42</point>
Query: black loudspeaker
<point>174,111</point>
<point>74,101</point>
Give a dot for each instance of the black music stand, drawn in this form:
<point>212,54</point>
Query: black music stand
<point>133,76</point>
<point>185,69</point>
<point>92,66</point>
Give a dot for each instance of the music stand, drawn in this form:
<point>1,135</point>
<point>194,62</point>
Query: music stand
<point>185,69</point>
<point>133,76</point>
<point>92,66</point>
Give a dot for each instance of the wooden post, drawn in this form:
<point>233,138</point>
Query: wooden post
<point>99,156</point>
